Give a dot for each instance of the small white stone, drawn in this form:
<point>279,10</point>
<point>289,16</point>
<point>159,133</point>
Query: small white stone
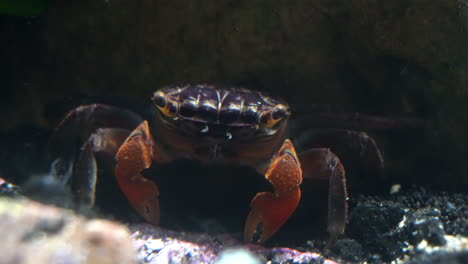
<point>395,188</point>
<point>154,245</point>
<point>236,256</point>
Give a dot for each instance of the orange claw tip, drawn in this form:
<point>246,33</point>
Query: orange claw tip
<point>269,212</point>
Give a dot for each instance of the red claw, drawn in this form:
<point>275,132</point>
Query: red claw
<point>271,210</point>
<point>133,156</point>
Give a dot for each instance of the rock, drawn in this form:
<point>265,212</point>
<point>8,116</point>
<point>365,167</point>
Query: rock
<point>234,256</point>
<point>320,50</point>
<point>408,228</point>
<point>159,246</point>
<point>372,218</point>
<point>349,249</point>
<point>441,258</point>
<point>425,224</point>
<point>38,233</point>
<point>374,223</point>
<point>287,255</point>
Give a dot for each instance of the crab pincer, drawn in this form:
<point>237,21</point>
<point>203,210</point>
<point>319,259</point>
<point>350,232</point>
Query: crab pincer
<point>271,210</point>
<point>136,154</point>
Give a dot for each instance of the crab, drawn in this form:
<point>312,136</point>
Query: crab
<point>210,124</point>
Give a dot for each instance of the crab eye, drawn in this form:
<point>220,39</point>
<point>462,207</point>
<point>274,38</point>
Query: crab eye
<point>159,99</point>
<point>279,112</point>
<point>271,118</point>
<point>172,109</point>
<point>168,108</point>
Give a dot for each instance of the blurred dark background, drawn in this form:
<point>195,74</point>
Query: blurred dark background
<point>390,59</point>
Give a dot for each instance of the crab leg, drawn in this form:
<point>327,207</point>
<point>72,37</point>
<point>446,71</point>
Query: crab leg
<point>82,121</point>
<point>271,210</point>
<point>357,151</point>
<point>79,124</point>
<point>83,182</point>
<point>134,155</point>
<point>322,164</point>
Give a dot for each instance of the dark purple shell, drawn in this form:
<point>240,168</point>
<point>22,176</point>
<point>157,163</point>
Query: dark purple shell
<point>214,105</point>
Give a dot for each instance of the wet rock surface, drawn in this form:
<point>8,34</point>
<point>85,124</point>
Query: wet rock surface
<point>413,226</point>
<point>161,246</point>
<point>32,232</point>
<point>407,226</point>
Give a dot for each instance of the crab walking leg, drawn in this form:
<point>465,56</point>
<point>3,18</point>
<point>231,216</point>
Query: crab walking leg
<point>271,210</point>
<point>104,140</point>
<point>349,145</point>
<point>79,124</point>
<point>321,163</point>
<point>133,156</point>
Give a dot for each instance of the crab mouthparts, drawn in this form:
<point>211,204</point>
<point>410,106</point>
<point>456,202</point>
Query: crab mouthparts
<point>217,133</point>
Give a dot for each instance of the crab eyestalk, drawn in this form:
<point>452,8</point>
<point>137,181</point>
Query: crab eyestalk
<point>271,117</point>
<point>166,106</point>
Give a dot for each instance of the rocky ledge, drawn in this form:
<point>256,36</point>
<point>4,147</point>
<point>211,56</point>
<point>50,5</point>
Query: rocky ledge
<point>414,226</point>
